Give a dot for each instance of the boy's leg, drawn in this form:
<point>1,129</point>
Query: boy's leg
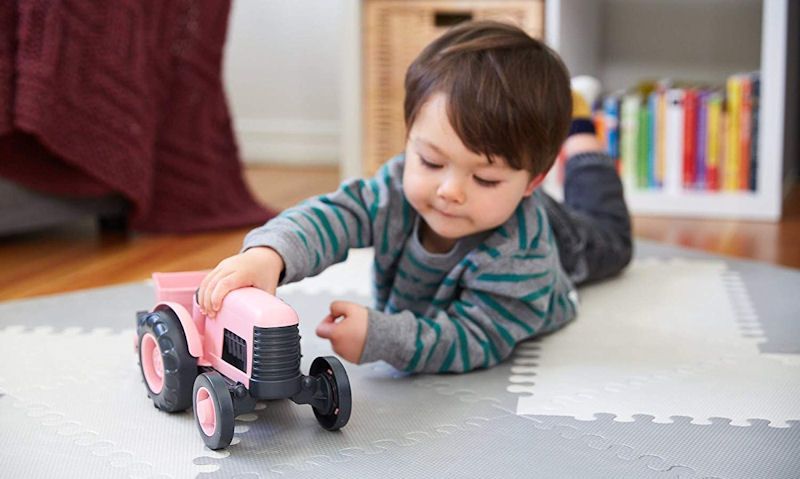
<point>592,226</point>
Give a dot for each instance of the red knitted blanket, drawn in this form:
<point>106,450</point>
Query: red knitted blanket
<point>123,97</point>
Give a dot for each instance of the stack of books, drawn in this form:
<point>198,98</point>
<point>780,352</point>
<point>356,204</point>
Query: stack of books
<point>674,137</point>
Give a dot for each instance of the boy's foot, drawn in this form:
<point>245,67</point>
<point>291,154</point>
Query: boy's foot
<point>582,135</point>
<point>585,91</point>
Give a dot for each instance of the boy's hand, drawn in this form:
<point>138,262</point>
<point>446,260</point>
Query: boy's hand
<point>259,267</point>
<point>349,334</point>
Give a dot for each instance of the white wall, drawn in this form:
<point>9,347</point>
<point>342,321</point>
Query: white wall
<point>282,74</point>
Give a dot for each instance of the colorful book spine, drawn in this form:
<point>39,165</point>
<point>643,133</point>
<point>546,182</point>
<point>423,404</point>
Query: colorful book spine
<point>689,137</point>
<point>723,145</point>
<point>642,147</point>
<point>629,133</point>
<point>611,106</point>
<point>713,139</point>
<point>700,138</point>
<point>744,133</point>
<point>599,121</point>
<point>755,91</point>
<point>733,147</point>
<point>673,139</point>
<point>660,141</point>
<point>652,136</point>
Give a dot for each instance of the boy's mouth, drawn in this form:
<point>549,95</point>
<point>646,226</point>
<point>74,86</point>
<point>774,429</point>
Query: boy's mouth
<point>445,213</point>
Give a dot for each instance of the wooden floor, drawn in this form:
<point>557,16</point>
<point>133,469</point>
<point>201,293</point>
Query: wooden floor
<point>77,256</point>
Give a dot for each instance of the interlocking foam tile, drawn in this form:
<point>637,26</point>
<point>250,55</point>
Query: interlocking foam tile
<point>769,289</point>
<point>662,339</point>
<point>107,308</point>
<point>73,404</point>
<point>79,399</point>
<point>352,276</point>
<point>714,450</point>
<point>498,445</point>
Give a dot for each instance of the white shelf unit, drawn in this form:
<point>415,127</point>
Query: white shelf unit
<point>622,42</point>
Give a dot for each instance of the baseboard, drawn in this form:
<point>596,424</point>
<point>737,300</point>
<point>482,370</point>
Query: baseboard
<point>281,141</point>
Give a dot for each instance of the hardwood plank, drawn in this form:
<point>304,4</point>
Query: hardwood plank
<point>775,243</point>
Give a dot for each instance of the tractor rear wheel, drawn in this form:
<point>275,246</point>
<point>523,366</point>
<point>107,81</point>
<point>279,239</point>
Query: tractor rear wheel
<point>167,367</point>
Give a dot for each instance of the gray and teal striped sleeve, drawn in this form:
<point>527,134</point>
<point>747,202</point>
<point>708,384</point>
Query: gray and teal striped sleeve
<point>511,290</point>
<point>318,232</point>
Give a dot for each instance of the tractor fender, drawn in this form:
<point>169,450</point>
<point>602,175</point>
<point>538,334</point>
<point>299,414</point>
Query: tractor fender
<point>193,338</point>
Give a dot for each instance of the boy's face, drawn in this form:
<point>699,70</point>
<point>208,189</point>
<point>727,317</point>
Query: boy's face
<point>457,192</point>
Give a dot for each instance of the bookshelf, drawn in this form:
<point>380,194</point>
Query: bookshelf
<point>705,40</point>
<point>622,42</point>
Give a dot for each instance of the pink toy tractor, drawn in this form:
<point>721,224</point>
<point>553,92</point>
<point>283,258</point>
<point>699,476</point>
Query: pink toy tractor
<point>221,366</point>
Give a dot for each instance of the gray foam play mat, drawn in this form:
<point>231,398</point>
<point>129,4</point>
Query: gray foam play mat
<point>687,365</point>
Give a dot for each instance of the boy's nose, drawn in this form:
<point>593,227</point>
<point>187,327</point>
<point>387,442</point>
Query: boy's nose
<point>451,191</point>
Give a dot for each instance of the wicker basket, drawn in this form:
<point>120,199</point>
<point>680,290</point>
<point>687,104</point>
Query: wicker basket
<point>395,31</point>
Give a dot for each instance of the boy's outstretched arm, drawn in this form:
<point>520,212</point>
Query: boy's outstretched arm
<point>303,240</point>
<point>319,232</point>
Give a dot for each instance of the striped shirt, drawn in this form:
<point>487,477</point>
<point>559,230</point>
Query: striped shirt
<point>450,312</point>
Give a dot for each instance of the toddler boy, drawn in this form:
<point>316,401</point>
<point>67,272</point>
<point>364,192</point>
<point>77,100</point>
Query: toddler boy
<point>470,257</point>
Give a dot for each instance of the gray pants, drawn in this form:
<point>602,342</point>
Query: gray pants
<point>592,226</point>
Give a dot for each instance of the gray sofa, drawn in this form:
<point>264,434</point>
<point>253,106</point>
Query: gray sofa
<point>23,210</point>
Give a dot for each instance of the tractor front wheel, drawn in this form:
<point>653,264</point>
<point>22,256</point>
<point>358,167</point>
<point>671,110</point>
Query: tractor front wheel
<point>330,370</point>
<point>213,410</point>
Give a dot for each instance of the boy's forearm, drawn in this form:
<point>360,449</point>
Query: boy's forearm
<point>388,337</point>
<point>317,233</point>
<point>441,344</point>
<point>296,264</point>
<point>478,330</point>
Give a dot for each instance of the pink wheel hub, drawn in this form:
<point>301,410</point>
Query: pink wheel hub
<point>152,365</point>
<point>204,411</point>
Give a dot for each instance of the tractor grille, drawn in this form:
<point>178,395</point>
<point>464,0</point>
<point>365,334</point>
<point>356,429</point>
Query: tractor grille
<point>276,353</point>
<point>234,351</point>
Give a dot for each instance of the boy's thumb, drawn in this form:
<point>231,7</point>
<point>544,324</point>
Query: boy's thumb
<point>325,327</point>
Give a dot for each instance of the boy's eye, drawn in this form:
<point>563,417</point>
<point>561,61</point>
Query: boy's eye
<point>487,183</point>
<point>428,164</point>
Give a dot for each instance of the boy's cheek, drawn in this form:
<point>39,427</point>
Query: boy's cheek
<point>414,193</point>
<point>495,210</point>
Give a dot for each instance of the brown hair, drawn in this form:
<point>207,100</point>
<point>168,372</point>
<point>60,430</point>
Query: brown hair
<point>507,94</point>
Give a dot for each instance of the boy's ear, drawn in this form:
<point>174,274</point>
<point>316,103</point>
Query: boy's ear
<point>534,183</point>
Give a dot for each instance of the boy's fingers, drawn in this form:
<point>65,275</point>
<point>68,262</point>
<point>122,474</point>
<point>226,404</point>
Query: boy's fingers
<point>270,286</point>
<point>207,300</point>
<point>325,327</point>
<point>207,287</point>
<point>205,293</point>
<point>222,288</point>
<point>339,308</point>
<point>201,293</point>
<point>206,306</point>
